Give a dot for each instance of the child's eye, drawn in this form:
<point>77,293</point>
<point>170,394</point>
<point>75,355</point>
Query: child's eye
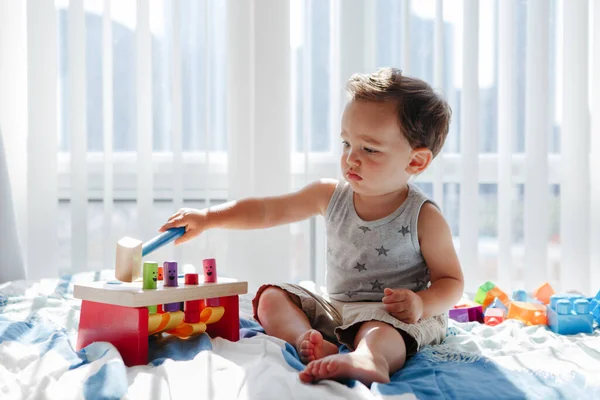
<point>368,150</point>
<point>345,144</point>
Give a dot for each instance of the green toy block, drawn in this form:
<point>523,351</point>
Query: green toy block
<point>482,291</point>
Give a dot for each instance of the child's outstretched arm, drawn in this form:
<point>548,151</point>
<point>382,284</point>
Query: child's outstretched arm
<point>255,213</point>
<point>446,275</point>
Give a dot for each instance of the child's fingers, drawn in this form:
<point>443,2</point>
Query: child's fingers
<point>395,307</point>
<point>184,238</point>
<point>173,222</point>
<point>405,316</point>
<point>395,296</point>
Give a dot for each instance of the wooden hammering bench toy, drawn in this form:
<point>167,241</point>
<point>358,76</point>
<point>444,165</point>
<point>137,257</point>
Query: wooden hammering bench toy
<point>126,311</point>
<point>118,313</point>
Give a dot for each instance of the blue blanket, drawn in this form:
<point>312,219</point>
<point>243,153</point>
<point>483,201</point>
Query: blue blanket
<point>508,361</point>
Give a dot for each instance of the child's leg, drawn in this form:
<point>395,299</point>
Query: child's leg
<point>380,351</point>
<point>282,318</point>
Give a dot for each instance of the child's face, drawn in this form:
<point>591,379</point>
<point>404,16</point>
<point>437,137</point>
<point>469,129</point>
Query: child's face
<point>375,155</point>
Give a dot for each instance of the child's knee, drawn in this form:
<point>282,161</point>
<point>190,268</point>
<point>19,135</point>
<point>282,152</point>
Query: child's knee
<point>270,299</point>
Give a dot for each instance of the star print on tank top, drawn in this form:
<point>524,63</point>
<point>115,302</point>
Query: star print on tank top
<point>365,257</point>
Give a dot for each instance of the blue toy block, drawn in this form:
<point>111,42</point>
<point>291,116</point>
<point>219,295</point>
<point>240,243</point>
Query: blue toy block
<point>498,304</point>
<point>569,314</point>
<point>596,312</point>
<point>520,295</point>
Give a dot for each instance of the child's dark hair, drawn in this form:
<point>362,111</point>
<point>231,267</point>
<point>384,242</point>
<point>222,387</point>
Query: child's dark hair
<point>423,115</point>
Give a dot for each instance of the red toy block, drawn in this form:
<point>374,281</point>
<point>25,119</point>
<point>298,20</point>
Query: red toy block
<point>192,309</point>
<point>494,316</point>
<point>125,327</point>
<point>227,327</point>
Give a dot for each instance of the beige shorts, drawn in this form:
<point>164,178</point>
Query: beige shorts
<point>339,321</point>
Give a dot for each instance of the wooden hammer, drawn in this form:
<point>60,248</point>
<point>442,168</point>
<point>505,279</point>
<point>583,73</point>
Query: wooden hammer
<point>128,265</point>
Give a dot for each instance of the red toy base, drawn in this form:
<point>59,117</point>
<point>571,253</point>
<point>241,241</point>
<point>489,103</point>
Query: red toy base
<point>127,328</point>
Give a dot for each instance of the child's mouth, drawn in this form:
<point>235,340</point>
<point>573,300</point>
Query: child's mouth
<point>354,177</point>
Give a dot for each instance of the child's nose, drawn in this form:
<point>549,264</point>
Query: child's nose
<point>352,159</point>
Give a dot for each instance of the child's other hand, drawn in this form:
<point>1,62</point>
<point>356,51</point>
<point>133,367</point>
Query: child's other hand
<point>404,304</point>
<point>192,219</point>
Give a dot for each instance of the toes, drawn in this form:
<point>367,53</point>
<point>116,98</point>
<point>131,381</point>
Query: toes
<point>313,368</point>
<point>305,377</point>
<point>306,357</point>
<point>306,345</point>
<point>323,369</point>
<point>315,337</point>
<point>332,366</point>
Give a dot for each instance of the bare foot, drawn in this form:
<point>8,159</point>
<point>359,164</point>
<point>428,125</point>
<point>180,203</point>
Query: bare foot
<point>362,367</point>
<point>311,346</point>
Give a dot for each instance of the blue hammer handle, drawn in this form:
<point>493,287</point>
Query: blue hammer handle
<point>162,239</point>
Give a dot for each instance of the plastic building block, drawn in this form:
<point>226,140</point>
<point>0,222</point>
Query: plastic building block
<point>529,313</point>
<point>569,314</point>
<point>543,293</point>
<point>498,304</point>
<point>482,291</point>
<point>466,313</point>
<point>495,293</point>
<point>596,313</point>
<point>494,316</point>
<point>520,295</point>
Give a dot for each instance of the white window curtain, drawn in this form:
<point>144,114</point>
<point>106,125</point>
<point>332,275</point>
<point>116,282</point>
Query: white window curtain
<point>115,114</point>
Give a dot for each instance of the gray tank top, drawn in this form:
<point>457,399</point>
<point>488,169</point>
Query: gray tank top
<point>364,257</point>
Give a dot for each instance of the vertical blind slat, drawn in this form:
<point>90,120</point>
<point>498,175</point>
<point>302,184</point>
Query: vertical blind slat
<point>535,215</point>
<point>194,45</point>
<point>107,112</point>
<point>145,195</point>
<point>469,142</point>
<point>307,87</point>
<point>258,112</point>
<point>506,132</point>
<point>335,91</point>
<point>575,183</point>
<point>335,82</point>
<point>78,134</point>
<point>370,48</point>
<point>207,98</point>
<point>42,145</point>
<point>406,37</point>
<point>176,114</point>
<point>307,105</point>
<point>595,152</point>
<point>438,84</point>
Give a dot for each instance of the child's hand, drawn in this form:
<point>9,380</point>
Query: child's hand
<point>404,304</point>
<point>192,219</point>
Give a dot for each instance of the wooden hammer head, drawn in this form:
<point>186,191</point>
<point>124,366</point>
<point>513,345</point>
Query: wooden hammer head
<point>128,264</point>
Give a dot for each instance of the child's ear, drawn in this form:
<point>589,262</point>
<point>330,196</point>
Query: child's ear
<point>419,160</point>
